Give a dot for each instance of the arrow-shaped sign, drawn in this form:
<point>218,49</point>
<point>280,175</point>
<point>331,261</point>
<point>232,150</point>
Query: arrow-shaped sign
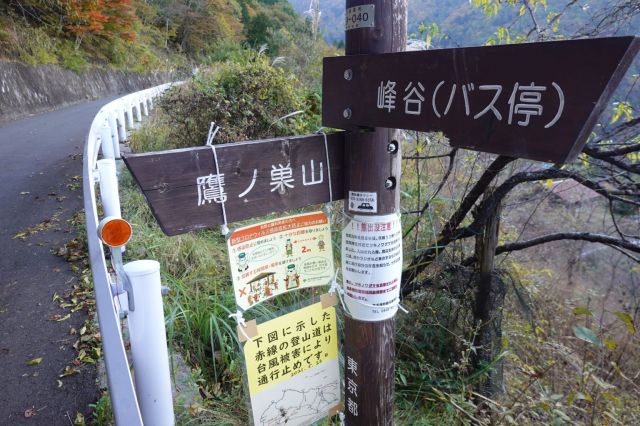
<point>536,100</point>
<point>187,190</point>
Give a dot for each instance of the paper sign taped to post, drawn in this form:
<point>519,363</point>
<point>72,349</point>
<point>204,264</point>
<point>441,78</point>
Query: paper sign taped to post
<point>274,257</point>
<point>292,367</point>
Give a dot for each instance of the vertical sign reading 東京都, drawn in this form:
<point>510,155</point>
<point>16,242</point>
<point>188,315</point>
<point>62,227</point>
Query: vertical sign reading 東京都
<point>271,258</point>
<point>292,368</point>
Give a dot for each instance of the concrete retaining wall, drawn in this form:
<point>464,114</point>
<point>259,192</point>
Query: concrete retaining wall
<point>26,90</point>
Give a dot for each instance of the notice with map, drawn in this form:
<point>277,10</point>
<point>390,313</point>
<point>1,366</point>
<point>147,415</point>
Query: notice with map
<point>292,367</point>
<point>274,257</point>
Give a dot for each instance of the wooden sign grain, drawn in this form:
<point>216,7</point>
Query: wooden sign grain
<point>535,100</point>
<point>185,189</point>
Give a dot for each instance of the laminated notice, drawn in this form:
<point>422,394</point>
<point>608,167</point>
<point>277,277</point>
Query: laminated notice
<point>372,266</point>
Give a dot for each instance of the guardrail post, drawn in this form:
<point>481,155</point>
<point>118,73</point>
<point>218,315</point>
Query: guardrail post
<point>136,106</point>
<point>149,344</point>
<point>113,125</point>
<point>122,127</point>
<point>106,142</point>
<point>145,110</point>
<point>109,187</point>
<point>129,115</point>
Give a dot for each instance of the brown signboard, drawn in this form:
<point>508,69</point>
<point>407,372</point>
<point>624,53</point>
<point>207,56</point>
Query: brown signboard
<point>536,100</point>
<point>186,191</point>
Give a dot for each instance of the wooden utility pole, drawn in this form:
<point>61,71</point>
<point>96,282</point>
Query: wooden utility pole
<point>372,165</point>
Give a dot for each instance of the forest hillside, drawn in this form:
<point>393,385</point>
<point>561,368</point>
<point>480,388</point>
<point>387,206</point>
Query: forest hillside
<point>140,35</point>
<point>461,23</point>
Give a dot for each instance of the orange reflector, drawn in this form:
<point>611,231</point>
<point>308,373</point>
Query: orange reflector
<point>114,231</point>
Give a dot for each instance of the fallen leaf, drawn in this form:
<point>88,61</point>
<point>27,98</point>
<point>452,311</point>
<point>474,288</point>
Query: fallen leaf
<point>34,361</point>
<point>79,421</point>
<point>59,317</point>
<point>30,412</point>
<point>69,371</point>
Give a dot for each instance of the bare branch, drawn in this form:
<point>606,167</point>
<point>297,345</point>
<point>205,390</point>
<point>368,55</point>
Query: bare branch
<point>451,232</point>
<point>448,234</point>
<point>445,177</point>
<point>576,236</point>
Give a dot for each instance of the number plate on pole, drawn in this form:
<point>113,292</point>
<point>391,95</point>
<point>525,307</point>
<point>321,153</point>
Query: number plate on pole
<point>360,17</point>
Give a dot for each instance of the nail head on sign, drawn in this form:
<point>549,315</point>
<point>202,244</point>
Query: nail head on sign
<point>390,183</point>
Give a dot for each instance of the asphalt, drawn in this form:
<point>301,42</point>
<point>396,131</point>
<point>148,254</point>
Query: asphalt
<point>40,186</point>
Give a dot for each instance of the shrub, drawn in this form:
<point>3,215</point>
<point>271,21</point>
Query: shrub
<point>248,100</point>
<point>36,47</point>
<point>70,57</point>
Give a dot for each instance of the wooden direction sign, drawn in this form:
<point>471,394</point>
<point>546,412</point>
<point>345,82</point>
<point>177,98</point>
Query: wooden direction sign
<point>537,100</point>
<point>186,191</point>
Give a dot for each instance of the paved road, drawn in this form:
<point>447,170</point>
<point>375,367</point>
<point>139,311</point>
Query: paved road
<point>39,157</point>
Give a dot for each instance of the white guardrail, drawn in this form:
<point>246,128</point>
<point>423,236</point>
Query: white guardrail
<point>132,290</point>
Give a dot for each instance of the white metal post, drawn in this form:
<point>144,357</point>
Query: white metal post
<point>113,125</point>
<point>109,187</point>
<point>149,344</point>
<point>129,113</point>
<point>122,125</point>
<point>136,105</point>
<point>145,110</point>
<point>106,142</point>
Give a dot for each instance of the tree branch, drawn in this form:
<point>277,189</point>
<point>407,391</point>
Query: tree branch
<point>576,236</point>
<point>445,177</point>
<point>451,232</point>
<point>446,235</point>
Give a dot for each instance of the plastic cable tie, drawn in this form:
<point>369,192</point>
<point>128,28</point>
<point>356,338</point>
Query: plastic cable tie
<point>241,322</point>
<point>334,284</point>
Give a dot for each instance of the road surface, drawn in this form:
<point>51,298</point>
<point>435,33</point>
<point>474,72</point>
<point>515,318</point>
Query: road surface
<point>40,188</point>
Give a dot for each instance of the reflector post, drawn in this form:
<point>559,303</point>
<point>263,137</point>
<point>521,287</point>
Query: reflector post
<point>114,231</point>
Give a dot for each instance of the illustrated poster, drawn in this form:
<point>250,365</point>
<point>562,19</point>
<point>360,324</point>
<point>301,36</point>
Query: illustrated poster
<point>274,257</point>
